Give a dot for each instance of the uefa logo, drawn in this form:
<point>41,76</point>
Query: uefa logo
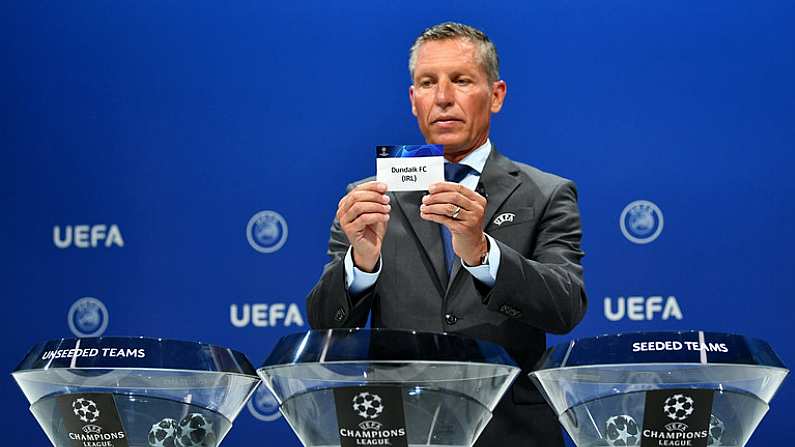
<point>641,222</point>
<point>88,317</point>
<point>263,405</point>
<point>266,231</point>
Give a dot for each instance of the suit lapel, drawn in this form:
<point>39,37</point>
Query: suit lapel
<point>427,234</point>
<point>498,180</point>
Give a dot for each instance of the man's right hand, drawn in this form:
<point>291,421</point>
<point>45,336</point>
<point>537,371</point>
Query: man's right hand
<point>363,215</point>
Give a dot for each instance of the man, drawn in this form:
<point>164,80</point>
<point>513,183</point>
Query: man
<point>494,255</point>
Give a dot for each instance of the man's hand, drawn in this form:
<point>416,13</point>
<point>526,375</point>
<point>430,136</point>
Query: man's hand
<point>461,210</point>
<point>363,215</point>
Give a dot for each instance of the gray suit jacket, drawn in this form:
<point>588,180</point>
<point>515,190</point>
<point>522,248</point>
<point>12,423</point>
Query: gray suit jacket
<point>539,285</point>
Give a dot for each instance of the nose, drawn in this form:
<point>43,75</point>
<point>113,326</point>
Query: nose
<point>444,94</point>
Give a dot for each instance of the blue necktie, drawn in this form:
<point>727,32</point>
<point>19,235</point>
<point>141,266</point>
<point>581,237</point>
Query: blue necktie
<point>453,172</point>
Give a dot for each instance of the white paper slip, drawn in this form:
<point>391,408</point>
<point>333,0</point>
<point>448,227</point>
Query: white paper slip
<point>409,168</point>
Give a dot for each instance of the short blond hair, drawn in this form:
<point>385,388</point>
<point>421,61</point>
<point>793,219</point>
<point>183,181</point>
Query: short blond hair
<point>487,52</point>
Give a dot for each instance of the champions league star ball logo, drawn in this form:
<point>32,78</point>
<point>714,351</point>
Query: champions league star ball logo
<point>679,407</point>
<point>641,222</point>
<point>163,433</point>
<point>86,410</point>
<point>622,430</point>
<point>88,317</point>
<point>357,411</point>
<point>194,430</point>
<point>266,231</point>
<point>368,406</point>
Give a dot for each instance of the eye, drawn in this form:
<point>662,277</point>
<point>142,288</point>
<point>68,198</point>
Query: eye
<point>463,81</point>
<point>424,83</point>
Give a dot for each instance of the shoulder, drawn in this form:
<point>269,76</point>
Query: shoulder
<point>546,182</point>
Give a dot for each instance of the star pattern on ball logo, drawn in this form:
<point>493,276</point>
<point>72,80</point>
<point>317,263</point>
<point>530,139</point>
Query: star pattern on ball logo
<point>368,406</point>
<point>86,410</point>
<point>679,407</point>
<point>193,430</point>
<point>622,430</point>
<point>163,433</point>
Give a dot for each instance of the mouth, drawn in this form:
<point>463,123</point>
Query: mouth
<point>446,121</point>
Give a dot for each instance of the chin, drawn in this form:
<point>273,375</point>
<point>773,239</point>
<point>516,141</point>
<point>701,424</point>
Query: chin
<point>448,140</point>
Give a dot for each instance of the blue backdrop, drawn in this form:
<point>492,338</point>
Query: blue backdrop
<point>141,140</point>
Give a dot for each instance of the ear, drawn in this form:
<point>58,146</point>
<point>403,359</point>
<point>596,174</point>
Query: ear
<point>498,91</point>
<point>411,99</point>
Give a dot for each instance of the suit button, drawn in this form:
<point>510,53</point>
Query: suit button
<point>450,319</point>
<point>340,315</point>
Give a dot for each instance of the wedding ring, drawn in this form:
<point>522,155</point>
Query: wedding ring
<point>456,212</point>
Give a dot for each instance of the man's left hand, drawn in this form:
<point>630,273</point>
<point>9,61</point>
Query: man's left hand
<point>461,210</point>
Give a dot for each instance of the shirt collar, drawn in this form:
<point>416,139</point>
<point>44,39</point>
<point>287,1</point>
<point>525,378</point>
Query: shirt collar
<point>477,158</point>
